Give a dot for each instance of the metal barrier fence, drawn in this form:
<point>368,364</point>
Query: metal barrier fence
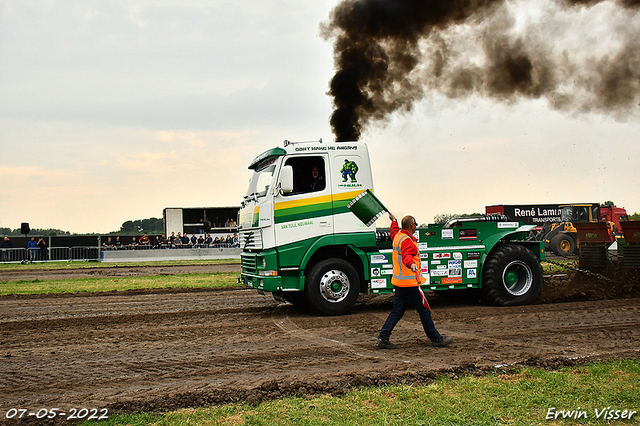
<point>51,254</point>
<point>91,253</point>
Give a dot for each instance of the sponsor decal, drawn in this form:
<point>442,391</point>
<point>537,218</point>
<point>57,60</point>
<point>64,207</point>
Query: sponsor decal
<point>474,255</point>
<point>422,246</point>
<point>472,273</point>
<point>436,262</point>
<point>442,255</point>
<point>425,269</point>
<point>378,258</point>
<point>455,268</point>
<point>350,185</point>
<point>375,272</point>
<point>468,234</point>
<point>378,283</point>
<point>428,234</point>
<point>387,272</point>
<point>451,281</point>
<point>470,264</point>
<point>443,267</point>
<point>297,224</point>
<point>508,225</point>
<point>447,234</point>
<point>424,255</point>
<point>439,272</point>
<point>457,256</point>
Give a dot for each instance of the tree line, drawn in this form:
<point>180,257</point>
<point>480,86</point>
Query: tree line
<point>152,225</point>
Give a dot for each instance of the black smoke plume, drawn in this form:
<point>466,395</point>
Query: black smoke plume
<point>390,53</point>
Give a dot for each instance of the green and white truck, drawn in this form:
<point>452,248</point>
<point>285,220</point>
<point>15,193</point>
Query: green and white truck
<point>300,241</point>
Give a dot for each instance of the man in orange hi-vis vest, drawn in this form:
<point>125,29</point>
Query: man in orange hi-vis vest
<point>407,278</point>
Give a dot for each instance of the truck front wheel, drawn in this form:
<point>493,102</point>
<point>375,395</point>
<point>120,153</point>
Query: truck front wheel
<point>332,287</point>
<point>512,276</point>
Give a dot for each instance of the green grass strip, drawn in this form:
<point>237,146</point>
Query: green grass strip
<point>79,264</point>
<point>527,397</point>
<point>81,285</point>
<point>559,266</point>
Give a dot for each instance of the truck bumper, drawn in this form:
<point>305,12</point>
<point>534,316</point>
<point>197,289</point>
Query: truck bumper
<point>260,271</point>
<point>261,283</point>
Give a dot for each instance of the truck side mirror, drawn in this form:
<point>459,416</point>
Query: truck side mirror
<point>286,179</point>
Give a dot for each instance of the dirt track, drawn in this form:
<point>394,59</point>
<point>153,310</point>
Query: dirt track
<point>161,351</point>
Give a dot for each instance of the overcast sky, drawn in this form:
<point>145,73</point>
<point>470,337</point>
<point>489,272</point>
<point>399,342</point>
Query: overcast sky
<point>113,110</point>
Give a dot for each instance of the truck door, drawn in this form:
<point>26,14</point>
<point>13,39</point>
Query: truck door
<point>306,212</point>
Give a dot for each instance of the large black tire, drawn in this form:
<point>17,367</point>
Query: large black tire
<point>332,287</point>
<point>563,245</point>
<point>512,275</point>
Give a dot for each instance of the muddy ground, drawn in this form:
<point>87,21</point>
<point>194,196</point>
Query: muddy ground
<point>158,350</point>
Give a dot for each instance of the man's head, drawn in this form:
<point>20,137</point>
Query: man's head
<point>315,172</point>
<point>409,224</point>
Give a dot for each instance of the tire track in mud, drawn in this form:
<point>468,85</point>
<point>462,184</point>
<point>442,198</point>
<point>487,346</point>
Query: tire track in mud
<point>281,319</point>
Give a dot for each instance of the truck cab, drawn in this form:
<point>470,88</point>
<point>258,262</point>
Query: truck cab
<point>295,214</point>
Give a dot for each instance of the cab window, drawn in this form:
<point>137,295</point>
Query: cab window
<point>308,174</point>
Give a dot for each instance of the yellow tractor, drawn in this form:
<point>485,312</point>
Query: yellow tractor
<point>561,238</point>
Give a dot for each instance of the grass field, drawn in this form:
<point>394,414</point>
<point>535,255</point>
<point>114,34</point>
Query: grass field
<point>83,264</point>
<point>104,284</point>
<point>590,395</point>
<point>81,285</point>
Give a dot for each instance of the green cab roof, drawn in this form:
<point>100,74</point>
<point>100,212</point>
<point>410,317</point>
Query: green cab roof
<point>273,152</point>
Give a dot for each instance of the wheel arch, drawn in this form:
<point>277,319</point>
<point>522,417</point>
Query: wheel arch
<point>347,252</point>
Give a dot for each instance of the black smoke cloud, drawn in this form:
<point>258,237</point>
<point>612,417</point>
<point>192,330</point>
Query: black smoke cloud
<point>390,53</point>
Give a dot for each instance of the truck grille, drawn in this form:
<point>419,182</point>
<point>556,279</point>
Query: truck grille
<point>251,239</point>
<point>248,263</point>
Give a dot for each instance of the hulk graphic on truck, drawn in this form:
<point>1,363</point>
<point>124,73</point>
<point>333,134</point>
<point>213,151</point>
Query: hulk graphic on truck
<point>349,170</point>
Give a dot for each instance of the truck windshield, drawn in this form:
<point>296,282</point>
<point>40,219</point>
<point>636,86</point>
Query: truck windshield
<point>261,181</point>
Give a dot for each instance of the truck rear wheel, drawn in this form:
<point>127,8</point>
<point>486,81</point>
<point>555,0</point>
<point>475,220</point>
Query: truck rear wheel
<point>332,287</point>
<point>563,245</point>
<point>512,276</point>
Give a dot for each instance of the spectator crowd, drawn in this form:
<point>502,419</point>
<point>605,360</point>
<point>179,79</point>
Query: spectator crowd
<point>173,242</point>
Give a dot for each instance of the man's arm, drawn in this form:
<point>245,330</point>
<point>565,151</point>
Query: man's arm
<point>395,228</point>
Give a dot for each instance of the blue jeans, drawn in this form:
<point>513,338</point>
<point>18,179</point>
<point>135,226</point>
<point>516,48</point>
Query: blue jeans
<point>411,296</point>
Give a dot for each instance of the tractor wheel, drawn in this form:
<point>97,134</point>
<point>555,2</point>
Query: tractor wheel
<point>332,287</point>
<point>563,245</point>
<point>512,276</point>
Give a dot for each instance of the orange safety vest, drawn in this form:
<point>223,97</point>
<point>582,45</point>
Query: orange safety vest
<point>403,276</point>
